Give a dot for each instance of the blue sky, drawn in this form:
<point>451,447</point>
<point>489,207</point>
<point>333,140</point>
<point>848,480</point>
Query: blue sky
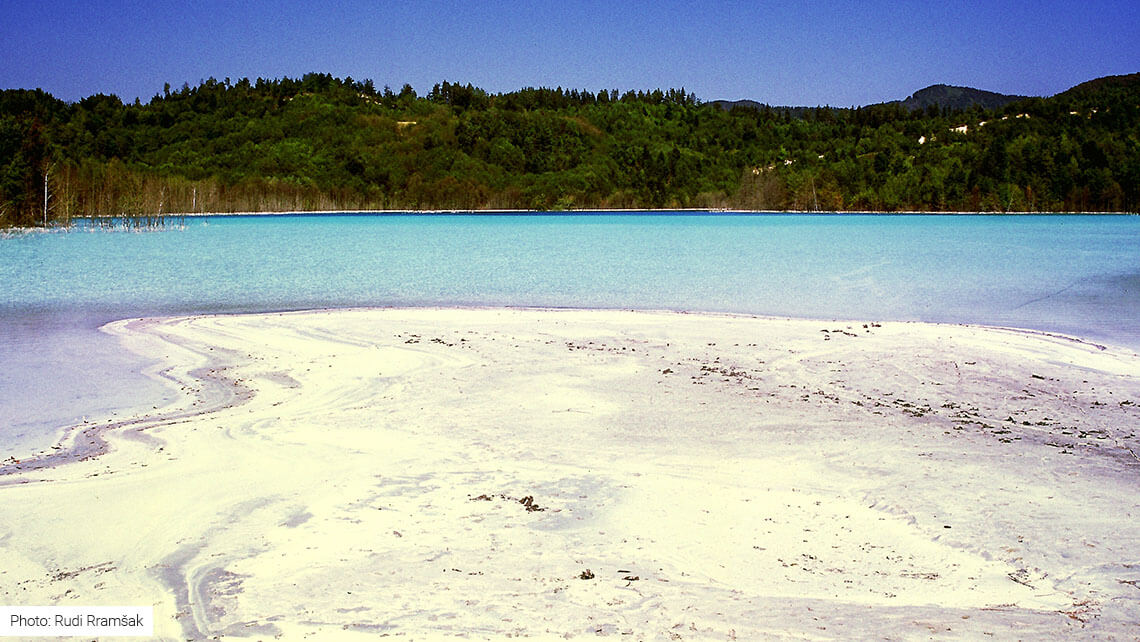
<point>786,53</point>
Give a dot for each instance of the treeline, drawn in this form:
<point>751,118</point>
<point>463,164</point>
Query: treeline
<point>324,143</point>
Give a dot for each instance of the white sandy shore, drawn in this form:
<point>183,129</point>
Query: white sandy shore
<point>348,474</point>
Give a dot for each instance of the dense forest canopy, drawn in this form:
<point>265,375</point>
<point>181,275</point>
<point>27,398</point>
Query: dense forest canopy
<point>322,143</point>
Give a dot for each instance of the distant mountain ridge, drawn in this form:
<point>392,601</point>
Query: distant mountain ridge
<point>797,112</point>
<point>955,98</point>
<point>945,96</point>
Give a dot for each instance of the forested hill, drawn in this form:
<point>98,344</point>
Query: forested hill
<point>320,142</point>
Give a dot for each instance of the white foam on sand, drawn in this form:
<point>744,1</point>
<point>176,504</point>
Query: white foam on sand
<point>557,473</point>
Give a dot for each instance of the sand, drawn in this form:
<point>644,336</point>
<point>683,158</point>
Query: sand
<point>487,473</point>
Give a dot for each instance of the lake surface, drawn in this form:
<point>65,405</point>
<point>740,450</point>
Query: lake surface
<point>1077,275</point>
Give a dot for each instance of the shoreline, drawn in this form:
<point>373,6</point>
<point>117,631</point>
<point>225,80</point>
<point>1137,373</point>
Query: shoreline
<point>9,231</point>
<point>681,210</point>
<point>75,433</point>
<point>328,447</point>
<point>86,440</point>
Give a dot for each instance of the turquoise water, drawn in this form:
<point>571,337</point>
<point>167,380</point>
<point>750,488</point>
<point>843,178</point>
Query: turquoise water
<point>1073,274</point>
